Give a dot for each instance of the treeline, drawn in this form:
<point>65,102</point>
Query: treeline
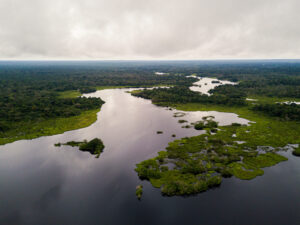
<point>283,111</point>
<point>181,94</point>
<point>78,77</point>
<point>26,109</point>
<point>261,87</point>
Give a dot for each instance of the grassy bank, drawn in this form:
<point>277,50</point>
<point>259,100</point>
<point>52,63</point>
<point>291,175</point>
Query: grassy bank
<point>265,131</point>
<point>69,94</point>
<point>269,100</point>
<point>32,130</point>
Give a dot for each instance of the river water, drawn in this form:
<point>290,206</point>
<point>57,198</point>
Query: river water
<point>43,184</point>
<point>205,84</point>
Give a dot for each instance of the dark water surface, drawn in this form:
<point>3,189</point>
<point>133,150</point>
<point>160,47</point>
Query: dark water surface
<point>43,184</point>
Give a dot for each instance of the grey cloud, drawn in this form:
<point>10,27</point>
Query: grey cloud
<point>140,29</point>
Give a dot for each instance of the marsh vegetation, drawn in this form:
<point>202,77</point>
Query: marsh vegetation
<point>200,162</point>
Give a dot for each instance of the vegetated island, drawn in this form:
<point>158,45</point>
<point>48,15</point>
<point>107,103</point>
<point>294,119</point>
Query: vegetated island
<point>139,191</point>
<point>196,164</point>
<point>95,146</point>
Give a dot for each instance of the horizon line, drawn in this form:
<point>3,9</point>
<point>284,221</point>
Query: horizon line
<point>91,60</point>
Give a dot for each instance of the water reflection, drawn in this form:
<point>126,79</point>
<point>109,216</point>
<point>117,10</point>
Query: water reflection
<point>43,184</point>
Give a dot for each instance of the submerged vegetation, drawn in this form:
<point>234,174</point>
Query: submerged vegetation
<point>95,146</point>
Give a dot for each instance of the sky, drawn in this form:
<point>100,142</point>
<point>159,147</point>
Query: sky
<point>149,29</point>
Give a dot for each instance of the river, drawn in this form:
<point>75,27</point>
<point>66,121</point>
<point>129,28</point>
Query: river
<point>43,184</point>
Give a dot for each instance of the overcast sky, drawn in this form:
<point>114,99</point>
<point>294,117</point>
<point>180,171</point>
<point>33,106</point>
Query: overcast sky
<point>149,29</point>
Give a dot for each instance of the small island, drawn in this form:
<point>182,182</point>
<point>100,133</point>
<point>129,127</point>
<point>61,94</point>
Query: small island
<point>95,146</point>
<point>139,191</point>
<point>296,151</point>
<point>182,121</point>
<point>206,123</point>
<point>179,114</point>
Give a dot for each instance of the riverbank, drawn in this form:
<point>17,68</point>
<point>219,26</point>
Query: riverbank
<point>31,130</point>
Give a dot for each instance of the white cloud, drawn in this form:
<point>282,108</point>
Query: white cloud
<point>143,29</point>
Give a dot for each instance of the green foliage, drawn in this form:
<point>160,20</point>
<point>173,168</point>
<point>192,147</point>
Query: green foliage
<point>73,143</point>
<point>283,111</point>
<point>201,161</point>
<point>296,152</point>
<point>199,125</point>
<point>148,169</point>
<point>95,146</point>
<point>33,129</point>
<point>264,160</point>
<point>36,94</point>
<point>242,171</point>
<point>265,131</point>
<point>69,94</point>
<point>211,124</point>
<point>181,94</point>
<point>139,191</point>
